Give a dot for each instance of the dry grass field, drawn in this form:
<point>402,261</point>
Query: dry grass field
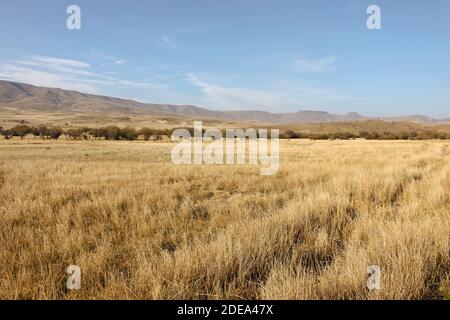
<point>140,227</point>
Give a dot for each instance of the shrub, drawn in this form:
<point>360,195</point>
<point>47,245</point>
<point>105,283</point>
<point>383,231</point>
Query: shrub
<point>55,133</point>
<point>363,134</point>
<point>146,133</point>
<point>320,136</point>
<point>41,131</point>
<point>6,133</point>
<point>404,135</point>
<point>290,134</point>
<point>128,133</point>
<point>97,133</point>
<point>166,132</point>
<point>21,131</point>
<point>111,133</point>
<point>74,134</point>
<point>373,136</point>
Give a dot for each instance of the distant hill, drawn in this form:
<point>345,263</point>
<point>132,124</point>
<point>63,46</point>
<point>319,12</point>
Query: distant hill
<point>23,99</point>
<point>27,97</point>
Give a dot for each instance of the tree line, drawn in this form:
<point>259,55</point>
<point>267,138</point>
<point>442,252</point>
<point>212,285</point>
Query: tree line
<point>129,133</point>
<point>85,133</point>
<point>375,135</point>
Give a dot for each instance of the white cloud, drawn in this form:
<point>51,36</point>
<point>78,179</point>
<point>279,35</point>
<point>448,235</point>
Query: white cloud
<point>239,99</point>
<point>168,41</point>
<point>232,98</point>
<point>58,65</point>
<point>321,94</point>
<point>138,84</point>
<point>32,76</point>
<point>65,74</point>
<point>320,65</point>
<point>96,55</point>
<point>61,62</point>
<point>190,30</point>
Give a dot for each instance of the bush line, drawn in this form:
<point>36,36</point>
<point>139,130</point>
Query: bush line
<point>129,133</point>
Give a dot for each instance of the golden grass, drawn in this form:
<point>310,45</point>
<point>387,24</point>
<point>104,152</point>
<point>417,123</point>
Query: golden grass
<point>142,228</point>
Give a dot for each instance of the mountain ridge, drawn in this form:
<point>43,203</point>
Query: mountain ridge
<point>22,97</point>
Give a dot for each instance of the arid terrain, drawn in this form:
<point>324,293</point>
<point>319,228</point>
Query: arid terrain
<point>140,227</point>
<point>22,103</point>
<point>211,158</point>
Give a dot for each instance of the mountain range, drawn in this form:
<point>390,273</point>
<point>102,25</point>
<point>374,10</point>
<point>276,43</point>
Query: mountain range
<point>22,98</point>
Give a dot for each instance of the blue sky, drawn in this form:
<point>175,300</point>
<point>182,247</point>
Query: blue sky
<point>274,55</point>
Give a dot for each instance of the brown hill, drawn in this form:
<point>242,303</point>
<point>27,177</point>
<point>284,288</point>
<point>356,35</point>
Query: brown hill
<point>25,101</point>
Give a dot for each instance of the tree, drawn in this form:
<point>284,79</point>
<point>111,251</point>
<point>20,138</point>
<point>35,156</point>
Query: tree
<point>21,131</point>
<point>364,134</point>
<point>348,135</point>
<point>414,135</point>
<point>290,134</point>
<point>6,133</point>
<point>98,133</point>
<point>146,133</point>
<point>55,133</point>
<point>42,131</point>
<point>128,133</point>
<point>35,132</point>
<point>111,133</point>
<point>74,134</point>
<point>373,136</point>
<point>165,132</point>
<point>86,133</point>
<point>320,136</point>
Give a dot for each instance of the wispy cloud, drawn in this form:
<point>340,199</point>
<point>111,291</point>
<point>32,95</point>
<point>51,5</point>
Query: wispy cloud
<point>61,62</point>
<point>73,67</point>
<point>190,30</point>
<point>141,84</point>
<point>66,74</point>
<point>233,98</point>
<point>226,98</point>
<point>321,94</point>
<point>97,55</point>
<point>169,42</point>
<point>319,65</point>
<point>17,73</point>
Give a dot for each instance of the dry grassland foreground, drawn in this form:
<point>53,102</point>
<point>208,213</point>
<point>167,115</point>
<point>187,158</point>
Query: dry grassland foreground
<point>140,227</point>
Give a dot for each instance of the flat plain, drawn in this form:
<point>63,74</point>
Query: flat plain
<point>140,227</point>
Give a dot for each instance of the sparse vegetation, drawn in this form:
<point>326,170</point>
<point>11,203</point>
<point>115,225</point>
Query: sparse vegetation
<point>130,133</point>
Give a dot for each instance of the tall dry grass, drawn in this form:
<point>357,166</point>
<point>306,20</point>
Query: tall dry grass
<point>140,227</point>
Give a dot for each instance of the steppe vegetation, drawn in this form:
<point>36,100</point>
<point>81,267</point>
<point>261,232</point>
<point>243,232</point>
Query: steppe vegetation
<point>146,133</point>
<point>140,227</point>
